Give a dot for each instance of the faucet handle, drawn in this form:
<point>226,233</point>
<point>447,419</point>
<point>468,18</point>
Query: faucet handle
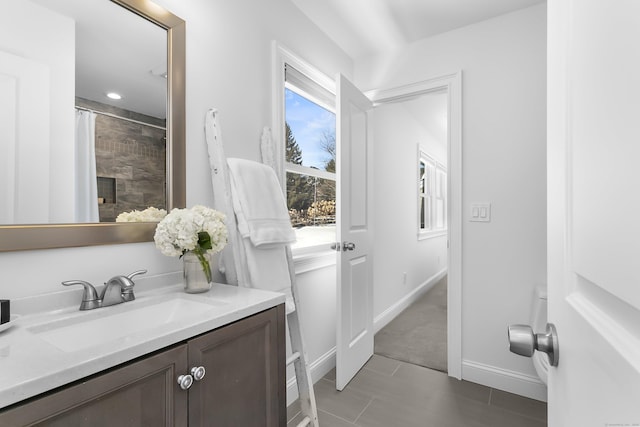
<point>127,288</point>
<point>90,298</point>
<point>136,273</point>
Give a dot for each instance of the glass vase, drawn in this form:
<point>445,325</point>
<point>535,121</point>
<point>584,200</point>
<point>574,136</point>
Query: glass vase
<point>197,272</point>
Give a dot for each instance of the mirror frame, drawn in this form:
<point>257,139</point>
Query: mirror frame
<point>48,236</point>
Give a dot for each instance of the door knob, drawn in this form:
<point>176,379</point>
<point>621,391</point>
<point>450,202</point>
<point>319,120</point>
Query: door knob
<point>348,246</point>
<point>524,342</point>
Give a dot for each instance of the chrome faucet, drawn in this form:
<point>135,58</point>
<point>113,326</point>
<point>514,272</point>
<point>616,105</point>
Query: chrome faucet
<point>116,290</point>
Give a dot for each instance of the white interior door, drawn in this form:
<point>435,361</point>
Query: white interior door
<point>24,140</point>
<point>593,205</point>
<point>354,340</point>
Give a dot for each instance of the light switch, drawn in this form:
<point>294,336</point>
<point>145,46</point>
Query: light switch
<point>480,212</point>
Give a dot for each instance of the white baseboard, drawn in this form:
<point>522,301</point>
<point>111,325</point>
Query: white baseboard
<point>504,379</point>
<point>390,313</point>
<point>319,368</point>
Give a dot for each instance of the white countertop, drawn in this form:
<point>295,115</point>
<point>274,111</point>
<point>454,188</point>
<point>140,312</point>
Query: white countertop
<point>30,364</point>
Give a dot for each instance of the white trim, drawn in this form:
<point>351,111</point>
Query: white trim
<point>309,96</point>
<point>392,312</point>
<point>503,379</point>
<point>439,183</point>
<point>430,234</point>
<point>453,84</point>
<point>319,368</point>
<point>306,170</point>
<point>305,263</point>
<point>400,93</point>
<point>454,224</point>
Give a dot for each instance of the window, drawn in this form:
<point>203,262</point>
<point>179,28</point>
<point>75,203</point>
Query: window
<point>425,174</point>
<point>432,196</point>
<point>310,158</point>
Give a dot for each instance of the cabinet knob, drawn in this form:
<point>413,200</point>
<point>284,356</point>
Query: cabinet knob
<point>185,381</point>
<point>198,372</point>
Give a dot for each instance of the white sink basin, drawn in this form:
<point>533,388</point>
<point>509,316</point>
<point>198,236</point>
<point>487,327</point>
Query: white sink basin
<point>103,325</point>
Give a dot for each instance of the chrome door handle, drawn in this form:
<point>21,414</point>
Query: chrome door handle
<point>524,342</point>
<point>346,246</point>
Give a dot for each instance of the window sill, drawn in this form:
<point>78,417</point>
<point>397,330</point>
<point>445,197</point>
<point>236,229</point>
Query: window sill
<point>312,258</point>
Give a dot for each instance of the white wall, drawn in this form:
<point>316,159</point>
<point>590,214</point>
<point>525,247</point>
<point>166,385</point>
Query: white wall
<point>503,63</point>
<point>398,130</point>
<point>229,68</point>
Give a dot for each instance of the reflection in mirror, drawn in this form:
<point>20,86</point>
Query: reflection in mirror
<point>108,156</point>
<point>57,65</point>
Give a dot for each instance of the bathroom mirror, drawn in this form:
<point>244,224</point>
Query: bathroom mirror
<point>43,80</point>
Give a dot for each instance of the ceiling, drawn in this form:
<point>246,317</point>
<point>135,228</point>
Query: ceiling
<point>117,51</point>
<point>360,27</point>
<point>368,27</point>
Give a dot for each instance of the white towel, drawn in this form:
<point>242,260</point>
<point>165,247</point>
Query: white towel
<point>264,224</point>
<point>261,210</point>
<point>269,270</point>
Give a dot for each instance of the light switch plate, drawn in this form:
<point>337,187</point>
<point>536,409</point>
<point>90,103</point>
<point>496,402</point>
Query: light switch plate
<point>480,212</point>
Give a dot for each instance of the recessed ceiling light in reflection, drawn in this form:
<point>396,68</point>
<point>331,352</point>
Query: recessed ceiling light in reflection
<point>114,95</point>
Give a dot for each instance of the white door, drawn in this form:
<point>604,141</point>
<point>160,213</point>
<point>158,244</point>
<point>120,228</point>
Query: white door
<point>594,208</point>
<point>354,268</point>
<point>24,140</point>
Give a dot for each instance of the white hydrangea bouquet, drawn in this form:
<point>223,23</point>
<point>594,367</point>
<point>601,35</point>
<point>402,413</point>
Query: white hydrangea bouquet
<point>199,230</point>
<point>148,215</point>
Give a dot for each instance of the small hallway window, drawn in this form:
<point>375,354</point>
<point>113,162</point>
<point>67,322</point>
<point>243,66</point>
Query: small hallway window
<point>432,196</point>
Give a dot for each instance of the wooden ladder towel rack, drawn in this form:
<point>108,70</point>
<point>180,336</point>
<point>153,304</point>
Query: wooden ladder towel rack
<point>234,265</point>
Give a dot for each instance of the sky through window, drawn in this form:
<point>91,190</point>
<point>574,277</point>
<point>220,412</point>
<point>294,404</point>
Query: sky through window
<point>309,123</point>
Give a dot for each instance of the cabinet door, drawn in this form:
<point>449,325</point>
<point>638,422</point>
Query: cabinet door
<point>143,393</point>
<point>245,374</point>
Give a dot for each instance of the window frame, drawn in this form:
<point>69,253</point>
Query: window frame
<point>428,195</point>
<point>281,57</point>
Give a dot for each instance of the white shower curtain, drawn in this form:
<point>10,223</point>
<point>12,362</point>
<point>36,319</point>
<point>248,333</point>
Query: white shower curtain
<point>86,199</point>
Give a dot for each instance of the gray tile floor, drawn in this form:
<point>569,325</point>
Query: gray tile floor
<point>390,393</point>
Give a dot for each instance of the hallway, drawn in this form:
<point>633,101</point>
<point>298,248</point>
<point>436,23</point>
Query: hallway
<point>418,335</point>
<point>390,393</point>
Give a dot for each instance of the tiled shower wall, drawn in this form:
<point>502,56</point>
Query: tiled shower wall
<point>130,161</point>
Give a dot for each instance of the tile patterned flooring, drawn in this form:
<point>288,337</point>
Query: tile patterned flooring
<point>390,393</point>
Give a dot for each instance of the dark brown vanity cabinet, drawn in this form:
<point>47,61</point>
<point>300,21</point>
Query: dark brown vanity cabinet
<point>244,385</point>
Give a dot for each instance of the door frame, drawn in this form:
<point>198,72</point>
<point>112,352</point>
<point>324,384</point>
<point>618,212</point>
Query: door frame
<point>453,84</point>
